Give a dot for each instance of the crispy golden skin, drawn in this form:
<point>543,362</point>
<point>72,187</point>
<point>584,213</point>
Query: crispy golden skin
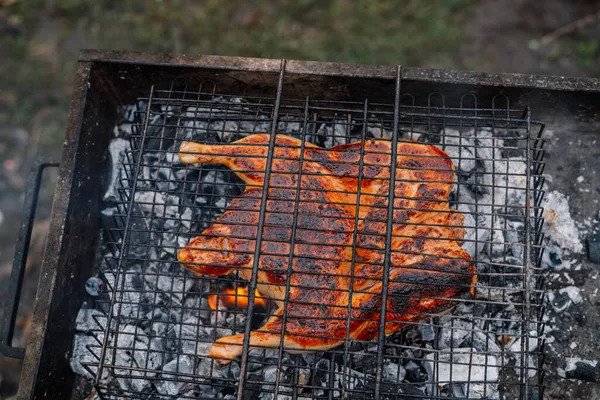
<point>428,268</point>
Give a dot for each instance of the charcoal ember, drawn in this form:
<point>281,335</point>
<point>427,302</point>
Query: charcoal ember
<point>415,372</point>
<point>117,149</point>
<point>156,204</point>
<point>147,354</point>
<point>234,370</point>
<point>128,377</point>
<point>462,365</point>
<point>483,342</point>
<point>378,131</point>
<point>85,353</point>
<point>218,317</point>
<point>156,356</point>
<point>333,134</point>
<point>169,110</point>
<point>312,358</point>
<point>453,332</point>
<point>261,354</point>
<point>480,391</point>
<point>90,320</point>
<point>475,183</point>
<point>427,331</point>
<point>393,372</point>
<point>364,361</point>
<point>190,333</point>
<point>133,301</point>
<point>235,321</point>
<point>469,240</point>
<point>194,305</point>
<point>111,221</point>
<point>289,125</point>
<point>161,277</point>
<point>227,131</point>
<point>322,371</point>
<point>170,372</point>
<point>497,245</point>
<point>256,124</point>
<point>461,151</point>
<point>477,221</point>
<point>208,368</point>
<point>164,179</point>
<point>131,112</point>
<point>161,133</point>
<point>222,332</point>
<point>159,322</point>
<point>515,238</point>
<point>464,309</point>
<point>194,129</point>
<point>271,373</point>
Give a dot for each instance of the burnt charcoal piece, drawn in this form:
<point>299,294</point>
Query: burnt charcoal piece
<point>389,390</point>
<point>593,245</point>
<point>415,373</point>
<point>582,370</point>
<point>475,183</point>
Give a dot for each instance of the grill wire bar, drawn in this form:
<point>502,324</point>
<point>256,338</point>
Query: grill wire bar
<point>153,324</point>
<point>292,240</point>
<point>388,235</point>
<point>261,222</point>
<point>361,163</point>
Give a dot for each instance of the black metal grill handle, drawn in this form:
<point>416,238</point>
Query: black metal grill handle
<point>11,304</point>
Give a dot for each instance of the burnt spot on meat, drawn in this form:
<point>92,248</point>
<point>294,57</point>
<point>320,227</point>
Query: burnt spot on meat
<point>277,234</point>
<point>316,221</point>
<point>275,247</point>
<point>280,206</point>
<point>418,244</point>
<point>411,163</point>
<point>399,297</point>
<point>431,191</point>
<point>278,219</point>
<point>282,180</point>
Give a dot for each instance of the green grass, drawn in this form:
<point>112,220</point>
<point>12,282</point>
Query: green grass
<point>38,70</point>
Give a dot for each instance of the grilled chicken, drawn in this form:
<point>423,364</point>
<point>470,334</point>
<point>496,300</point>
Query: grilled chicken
<point>339,199</point>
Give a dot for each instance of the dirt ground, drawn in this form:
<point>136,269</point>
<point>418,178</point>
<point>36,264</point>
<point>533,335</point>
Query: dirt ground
<point>39,48</point>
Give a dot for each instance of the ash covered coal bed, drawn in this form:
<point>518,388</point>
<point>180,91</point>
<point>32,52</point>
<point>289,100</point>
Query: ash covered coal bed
<point>163,323</point>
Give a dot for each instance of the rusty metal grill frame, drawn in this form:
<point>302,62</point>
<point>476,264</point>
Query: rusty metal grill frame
<point>403,114</point>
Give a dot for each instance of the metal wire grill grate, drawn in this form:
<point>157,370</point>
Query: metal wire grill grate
<point>158,321</point>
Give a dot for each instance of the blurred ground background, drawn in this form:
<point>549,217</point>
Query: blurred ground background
<point>40,41</point>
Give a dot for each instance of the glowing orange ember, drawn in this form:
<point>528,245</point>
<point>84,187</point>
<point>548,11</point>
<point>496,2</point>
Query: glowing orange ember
<point>236,299</point>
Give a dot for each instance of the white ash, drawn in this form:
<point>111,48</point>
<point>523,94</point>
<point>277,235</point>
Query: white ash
<point>562,235</point>
<point>463,365</point>
<point>85,352</point>
<point>117,150</point>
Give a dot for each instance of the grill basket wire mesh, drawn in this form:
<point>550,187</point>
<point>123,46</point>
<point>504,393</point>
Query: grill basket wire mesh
<point>155,313</point>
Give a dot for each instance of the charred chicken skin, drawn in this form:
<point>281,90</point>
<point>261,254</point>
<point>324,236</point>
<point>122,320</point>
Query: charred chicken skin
<point>339,225</point>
